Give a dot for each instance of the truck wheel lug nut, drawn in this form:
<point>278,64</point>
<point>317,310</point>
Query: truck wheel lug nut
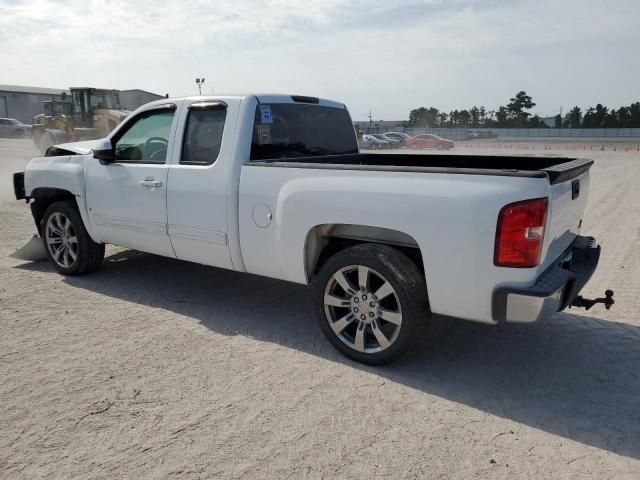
<point>371,314</point>
<point>356,299</point>
<point>372,304</point>
<point>364,297</point>
<point>355,309</point>
<point>363,317</point>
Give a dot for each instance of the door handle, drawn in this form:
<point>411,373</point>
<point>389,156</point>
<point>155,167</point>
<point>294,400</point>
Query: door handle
<point>149,183</point>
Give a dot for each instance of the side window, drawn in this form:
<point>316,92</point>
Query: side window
<point>203,136</point>
<point>146,140</point>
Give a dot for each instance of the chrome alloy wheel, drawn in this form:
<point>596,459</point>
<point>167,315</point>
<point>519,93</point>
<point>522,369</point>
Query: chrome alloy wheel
<point>362,308</point>
<point>61,240</point>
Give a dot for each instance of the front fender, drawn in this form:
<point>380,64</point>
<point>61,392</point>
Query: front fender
<point>54,172</point>
<point>65,174</point>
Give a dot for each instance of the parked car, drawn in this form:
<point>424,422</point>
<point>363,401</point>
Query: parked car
<point>429,141</point>
<point>366,143</point>
<point>390,143</point>
<point>477,134</point>
<point>376,143</point>
<point>10,127</point>
<point>274,185</point>
<point>399,136</point>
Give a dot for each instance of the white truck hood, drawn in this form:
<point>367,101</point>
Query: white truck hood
<point>81,148</point>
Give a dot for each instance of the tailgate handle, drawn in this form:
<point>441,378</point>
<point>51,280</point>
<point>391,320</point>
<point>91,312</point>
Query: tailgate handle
<point>575,189</point>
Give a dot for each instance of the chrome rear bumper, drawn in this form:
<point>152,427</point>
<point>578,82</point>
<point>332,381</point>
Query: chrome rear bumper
<point>554,290</point>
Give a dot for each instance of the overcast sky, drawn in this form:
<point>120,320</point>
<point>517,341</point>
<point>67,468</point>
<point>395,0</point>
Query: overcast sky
<point>388,56</point>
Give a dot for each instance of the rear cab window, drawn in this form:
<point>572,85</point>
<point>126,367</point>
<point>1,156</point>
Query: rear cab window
<point>291,130</point>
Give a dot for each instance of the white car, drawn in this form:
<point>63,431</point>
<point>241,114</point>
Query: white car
<point>10,127</point>
<point>274,185</point>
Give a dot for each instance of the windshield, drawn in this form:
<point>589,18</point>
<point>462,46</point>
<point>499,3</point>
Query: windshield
<point>101,100</point>
<point>57,108</point>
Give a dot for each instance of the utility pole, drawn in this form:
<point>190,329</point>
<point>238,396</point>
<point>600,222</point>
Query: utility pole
<point>370,120</point>
<point>560,116</point>
<point>200,82</point>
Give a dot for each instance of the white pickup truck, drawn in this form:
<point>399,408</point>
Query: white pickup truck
<point>274,185</point>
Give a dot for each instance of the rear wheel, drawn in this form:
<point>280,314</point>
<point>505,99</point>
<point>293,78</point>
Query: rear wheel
<point>68,245</point>
<point>370,302</point>
<point>440,146</point>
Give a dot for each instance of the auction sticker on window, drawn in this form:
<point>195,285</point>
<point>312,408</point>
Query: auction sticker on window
<point>264,135</point>
<point>265,114</point>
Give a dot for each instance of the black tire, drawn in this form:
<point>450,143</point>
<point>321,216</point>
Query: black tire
<point>409,293</point>
<point>89,254</point>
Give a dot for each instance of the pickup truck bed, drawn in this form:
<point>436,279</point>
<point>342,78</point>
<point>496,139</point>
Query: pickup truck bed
<point>557,169</point>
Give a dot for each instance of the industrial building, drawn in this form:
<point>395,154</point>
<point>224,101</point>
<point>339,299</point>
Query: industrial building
<point>23,103</point>
<point>375,126</point>
<point>132,99</point>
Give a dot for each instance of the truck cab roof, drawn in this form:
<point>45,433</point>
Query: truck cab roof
<point>260,97</point>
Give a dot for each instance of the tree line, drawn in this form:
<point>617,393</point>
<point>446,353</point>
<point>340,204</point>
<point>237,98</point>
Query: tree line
<point>516,115</point>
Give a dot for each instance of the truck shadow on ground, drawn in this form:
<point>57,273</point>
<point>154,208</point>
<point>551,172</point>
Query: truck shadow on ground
<point>571,375</point>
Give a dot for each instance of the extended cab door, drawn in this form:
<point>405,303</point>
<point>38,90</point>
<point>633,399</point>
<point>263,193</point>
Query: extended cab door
<point>127,199</point>
<point>197,198</point>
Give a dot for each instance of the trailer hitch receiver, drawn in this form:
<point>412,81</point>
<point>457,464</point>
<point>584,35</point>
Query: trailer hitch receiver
<point>587,303</point>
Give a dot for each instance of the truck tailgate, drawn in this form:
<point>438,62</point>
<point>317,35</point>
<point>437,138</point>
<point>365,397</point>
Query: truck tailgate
<point>567,201</point>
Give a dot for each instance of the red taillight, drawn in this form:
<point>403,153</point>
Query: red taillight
<point>520,233</point>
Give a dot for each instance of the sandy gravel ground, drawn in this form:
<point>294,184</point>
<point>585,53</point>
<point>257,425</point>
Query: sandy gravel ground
<point>153,368</point>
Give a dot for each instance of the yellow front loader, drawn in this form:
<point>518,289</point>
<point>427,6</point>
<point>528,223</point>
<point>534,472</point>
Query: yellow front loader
<point>92,113</point>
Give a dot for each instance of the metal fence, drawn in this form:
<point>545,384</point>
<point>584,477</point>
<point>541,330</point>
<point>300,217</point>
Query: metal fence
<point>463,133</point>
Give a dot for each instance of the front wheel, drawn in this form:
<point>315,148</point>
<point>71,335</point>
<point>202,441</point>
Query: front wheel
<point>68,245</point>
<point>370,302</point>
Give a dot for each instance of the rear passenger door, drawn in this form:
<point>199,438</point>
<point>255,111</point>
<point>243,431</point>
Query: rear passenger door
<point>198,184</point>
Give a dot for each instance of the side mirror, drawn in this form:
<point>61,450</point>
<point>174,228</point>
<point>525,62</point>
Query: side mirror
<point>104,151</point>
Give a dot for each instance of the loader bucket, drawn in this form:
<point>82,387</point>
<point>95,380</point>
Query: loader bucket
<point>32,251</point>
